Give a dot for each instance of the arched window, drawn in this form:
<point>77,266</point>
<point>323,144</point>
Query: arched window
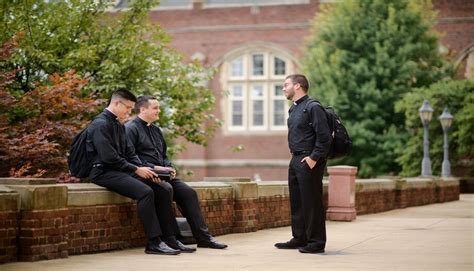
<point>253,81</point>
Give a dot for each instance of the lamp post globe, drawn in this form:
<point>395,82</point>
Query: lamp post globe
<point>426,112</point>
<point>446,120</point>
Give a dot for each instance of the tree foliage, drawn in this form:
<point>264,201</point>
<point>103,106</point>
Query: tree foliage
<point>36,127</point>
<point>362,57</point>
<point>60,54</point>
<point>458,97</point>
<point>111,49</point>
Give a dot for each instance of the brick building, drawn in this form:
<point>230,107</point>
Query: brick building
<point>253,45</point>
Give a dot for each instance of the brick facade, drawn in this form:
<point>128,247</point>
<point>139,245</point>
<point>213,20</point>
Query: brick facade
<point>8,234</point>
<point>216,32</point>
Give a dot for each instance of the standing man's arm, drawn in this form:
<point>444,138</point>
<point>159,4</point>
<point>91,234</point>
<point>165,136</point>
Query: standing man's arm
<point>323,135</point>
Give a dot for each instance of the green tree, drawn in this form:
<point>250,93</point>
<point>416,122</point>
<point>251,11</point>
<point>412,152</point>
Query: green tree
<point>458,97</point>
<point>110,50</point>
<point>362,57</point>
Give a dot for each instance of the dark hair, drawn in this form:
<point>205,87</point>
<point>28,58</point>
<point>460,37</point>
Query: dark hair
<point>299,79</point>
<point>123,93</point>
<point>142,101</point>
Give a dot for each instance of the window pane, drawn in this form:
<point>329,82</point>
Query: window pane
<point>278,113</point>
<point>237,67</point>
<point>257,90</point>
<point>257,64</point>
<point>237,91</point>
<point>257,113</point>
<point>237,118</point>
<point>280,66</point>
<point>278,91</point>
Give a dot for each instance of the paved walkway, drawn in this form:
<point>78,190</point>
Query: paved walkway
<point>433,237</point>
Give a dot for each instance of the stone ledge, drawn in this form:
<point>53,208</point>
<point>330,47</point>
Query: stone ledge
<point>27,181</point>
<point>413,183</point>
<point>92,198</point>
<point>212,190</point>
<point>369,185</point>
<point>9,199</point>
<point>273,188</point>
<point>41,197</point>
<point>89,194</point>
<point>227,179</point>
<point>448,181</point>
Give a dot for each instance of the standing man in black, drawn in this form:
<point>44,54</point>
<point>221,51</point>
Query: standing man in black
<point>309,140</point>
<point>150,147</point>
<point>117,167</point>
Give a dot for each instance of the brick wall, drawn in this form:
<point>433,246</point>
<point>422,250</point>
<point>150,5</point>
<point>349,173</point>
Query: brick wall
<point>102,228</point>
<point>91,219</point>
<point>43,234</point>
<point>273,211</point>
<point>8,235</point>
<point>218,215</point>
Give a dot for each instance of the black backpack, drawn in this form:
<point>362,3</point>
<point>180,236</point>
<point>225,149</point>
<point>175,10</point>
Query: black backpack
<point>80,155</point>
<point>341,144</point>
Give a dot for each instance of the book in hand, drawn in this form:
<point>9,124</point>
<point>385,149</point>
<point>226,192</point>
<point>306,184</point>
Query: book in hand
<point>163,175</point>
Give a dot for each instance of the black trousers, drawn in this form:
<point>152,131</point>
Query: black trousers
<point>154,201</point>
<point>188,204</point>
<point>308,215</point>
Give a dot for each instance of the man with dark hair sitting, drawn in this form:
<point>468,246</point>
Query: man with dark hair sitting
<point>150,147</point>
<point>117,167</point>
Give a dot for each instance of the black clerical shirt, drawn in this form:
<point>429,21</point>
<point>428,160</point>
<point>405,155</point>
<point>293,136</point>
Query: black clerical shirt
<point>315,139</point>
<point>112,150</point>
<point>148,141</point>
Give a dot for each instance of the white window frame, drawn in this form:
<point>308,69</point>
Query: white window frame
<point>272,67</point>
<point>265,66</point>
<point>268,81</point>
<point>264,99</point>
<point>273,98</point>
<point>244,69</point>
<point>232,98</point>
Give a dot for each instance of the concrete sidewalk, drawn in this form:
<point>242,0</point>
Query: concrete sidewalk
<point>432,237</point>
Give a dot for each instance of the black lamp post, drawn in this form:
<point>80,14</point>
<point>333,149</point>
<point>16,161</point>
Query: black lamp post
<point>426,112</point>
<point>446,120</point>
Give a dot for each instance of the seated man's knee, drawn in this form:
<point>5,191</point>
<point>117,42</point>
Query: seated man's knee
<point>167,187</point>
<point>146,191</point>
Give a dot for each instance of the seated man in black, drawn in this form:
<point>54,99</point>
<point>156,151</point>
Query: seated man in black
<point>150,147</point>
<point>117,167</point>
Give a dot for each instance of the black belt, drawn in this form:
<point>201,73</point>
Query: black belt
<point>300,152</point>
<point>97,165</point>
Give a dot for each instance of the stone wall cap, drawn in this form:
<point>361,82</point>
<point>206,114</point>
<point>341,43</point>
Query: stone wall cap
<point>272,183</point>
<point>208,184</point>
<point>375,180</point>
<point>24,181</point>
<point>342,170</point>
<point>227,179</point>
<point>420,179</point>
<point>6,189</point>
<point>84,187</point>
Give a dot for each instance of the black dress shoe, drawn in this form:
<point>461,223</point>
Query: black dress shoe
<point>179,246</point>
<point>312,248</point>
<point>211,244</point>
<point>292,244</point>
<point>160,248</point>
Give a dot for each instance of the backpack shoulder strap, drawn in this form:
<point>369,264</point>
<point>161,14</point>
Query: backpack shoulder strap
<point>309,102</point>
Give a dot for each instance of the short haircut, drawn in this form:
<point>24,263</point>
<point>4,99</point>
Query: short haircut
<point>142,101</point>
<point>299,79</point>
<point>123,94</point>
